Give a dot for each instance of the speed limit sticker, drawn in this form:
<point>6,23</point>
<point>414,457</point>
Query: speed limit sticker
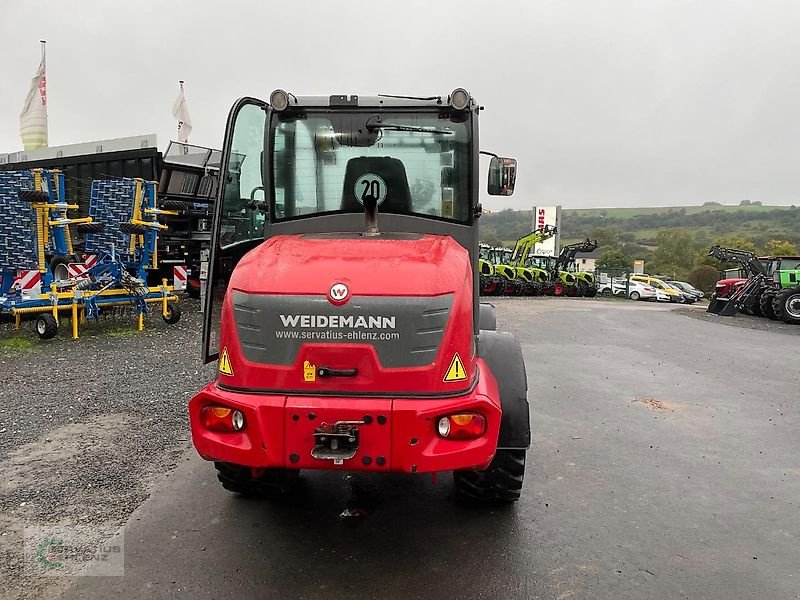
<point>368,186</point>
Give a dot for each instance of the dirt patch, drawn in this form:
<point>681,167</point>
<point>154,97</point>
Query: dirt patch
<point>742,320</point>
<point>655,404</point>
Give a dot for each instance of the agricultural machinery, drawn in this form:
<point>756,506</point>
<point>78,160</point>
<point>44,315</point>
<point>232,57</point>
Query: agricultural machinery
<point>771,289</point>
<point>507,272</point>
<point>490,282</point>
<point>350,334</point>
<point>43,275</point>
<point>564,277</point>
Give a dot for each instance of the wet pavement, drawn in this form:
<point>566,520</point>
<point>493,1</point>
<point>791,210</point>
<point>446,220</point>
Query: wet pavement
<point>664,465</point>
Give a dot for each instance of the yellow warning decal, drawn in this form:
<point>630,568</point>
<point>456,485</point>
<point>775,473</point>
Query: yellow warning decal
<point>225,363</point>
<point>309,371</point>
<point>456,370</point>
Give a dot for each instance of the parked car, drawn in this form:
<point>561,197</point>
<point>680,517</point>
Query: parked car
<point>612,287</point>
<point>640,291</point>
<point>675,295</point>
<point>688,288</point>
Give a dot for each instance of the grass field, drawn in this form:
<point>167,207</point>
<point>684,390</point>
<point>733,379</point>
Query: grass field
<point>627,213</point>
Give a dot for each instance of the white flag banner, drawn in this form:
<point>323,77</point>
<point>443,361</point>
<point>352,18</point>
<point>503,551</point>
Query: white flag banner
<point>33,119</point>
<point>181,112</point>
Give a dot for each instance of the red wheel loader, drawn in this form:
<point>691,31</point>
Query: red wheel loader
<point>349,335</point>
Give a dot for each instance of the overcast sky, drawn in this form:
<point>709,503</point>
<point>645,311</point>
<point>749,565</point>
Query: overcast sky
<point>604,103</point>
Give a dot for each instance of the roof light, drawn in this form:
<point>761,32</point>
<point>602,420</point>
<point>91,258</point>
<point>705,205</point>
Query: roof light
<point>459,99</point>
<point>279,100</point>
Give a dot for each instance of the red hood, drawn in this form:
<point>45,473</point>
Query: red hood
<point>407,314</point>
<point>309,264</point>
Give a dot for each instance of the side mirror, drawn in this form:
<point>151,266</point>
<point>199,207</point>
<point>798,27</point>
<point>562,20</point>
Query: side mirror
<point>502,176</point>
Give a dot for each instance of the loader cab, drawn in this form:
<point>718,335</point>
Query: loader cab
<point>316,165</point>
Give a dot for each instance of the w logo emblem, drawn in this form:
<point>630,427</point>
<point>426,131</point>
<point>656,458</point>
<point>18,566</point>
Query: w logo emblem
<point>338,293</point>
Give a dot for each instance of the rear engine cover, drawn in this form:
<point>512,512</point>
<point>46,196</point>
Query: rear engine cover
<point>390,315</point>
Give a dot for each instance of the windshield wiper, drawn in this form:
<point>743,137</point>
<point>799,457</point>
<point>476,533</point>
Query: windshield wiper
<point>414,128</point>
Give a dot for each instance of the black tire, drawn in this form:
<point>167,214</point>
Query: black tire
<point>34,196</point>
<point>58,267</point>
<point>787,305</point>
<point>635,295</point>
<point>84,228</point>
<point>766,304</point>
<point>591,291</point>
<point>755,305</point>
<point>46,326</point>
<point>173,314</point>
<point>607,293</point>
<point>173,205</point>
<point>270,483</point>
<point>501,483</point>
<point>133,229</point>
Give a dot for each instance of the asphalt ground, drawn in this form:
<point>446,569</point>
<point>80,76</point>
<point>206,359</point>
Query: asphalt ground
<point>664,465</point>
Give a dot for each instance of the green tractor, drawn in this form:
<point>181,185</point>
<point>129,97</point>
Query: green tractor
<point>564,277</point>
<point>490,283</point>
<point>510,284</point>
<point>780,298</point>
<point>532,277</point>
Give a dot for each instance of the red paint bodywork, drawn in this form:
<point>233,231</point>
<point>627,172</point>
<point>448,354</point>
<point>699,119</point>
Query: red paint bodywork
<point>725,287</point>
<point>281,422</point>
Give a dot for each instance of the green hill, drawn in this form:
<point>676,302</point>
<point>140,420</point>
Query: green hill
<point>640,226</point>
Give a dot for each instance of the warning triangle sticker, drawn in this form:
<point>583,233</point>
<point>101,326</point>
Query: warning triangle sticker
<point>225,363</point>
<point>456,370</point>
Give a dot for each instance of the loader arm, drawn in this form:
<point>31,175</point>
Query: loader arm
<point>568,253</point>
<point>526,242</point>
<point>747,259</point>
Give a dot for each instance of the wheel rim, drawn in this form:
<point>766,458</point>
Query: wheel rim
<point>60,272</point>
<point>793,306</point>
<point>634,295</point>
<point>41,326</point>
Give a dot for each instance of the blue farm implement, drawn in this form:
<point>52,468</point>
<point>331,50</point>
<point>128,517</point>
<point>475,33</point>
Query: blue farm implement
<point>41,274</point>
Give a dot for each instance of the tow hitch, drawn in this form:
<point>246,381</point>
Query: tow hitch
<point>337,442</point>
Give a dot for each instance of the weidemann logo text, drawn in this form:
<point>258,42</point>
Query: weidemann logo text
<point>339,321</point>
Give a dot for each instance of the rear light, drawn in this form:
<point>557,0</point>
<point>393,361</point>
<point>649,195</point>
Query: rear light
<point>222,419</point>
<point>462,426</point>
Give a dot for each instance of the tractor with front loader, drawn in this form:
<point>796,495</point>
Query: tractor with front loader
<point>533,277</point>
<point>771,288</point>
<point>565,279</point>
<point>350,335</point>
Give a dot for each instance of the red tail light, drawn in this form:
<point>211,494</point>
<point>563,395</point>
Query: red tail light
<point>222,419</point>
<point>462,426</point>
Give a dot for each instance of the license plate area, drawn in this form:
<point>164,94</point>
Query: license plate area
<point>336,441</point>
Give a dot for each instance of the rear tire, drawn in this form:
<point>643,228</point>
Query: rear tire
<point>46,326</point>
<point>635,295</point>
<point>501,483</point>
<point>591,292</point>
<point>787,305</point>
<point>256,483</point>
